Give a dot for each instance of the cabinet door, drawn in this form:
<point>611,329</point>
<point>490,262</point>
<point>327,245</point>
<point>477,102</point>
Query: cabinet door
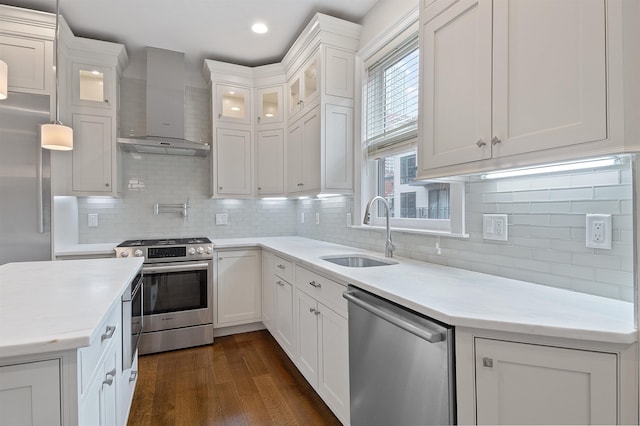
<point>268,291</point>
<point>92,154</point>
<point>311,82</point>
<point>307,337</point>
<point>270,109</point>
<point>294,158</point>
<point>270,160</point>
<point>311,150</point>
<point>284,316</point>
<point>126,385</point>
<point>233,104</point>
<point>519,383</point>
<point>233,162</point>
<point>98,403</point>
<point>30,393</point>
<point>338,148</point>
<point>295,94</point>
<point>333,368</point>
<point>456,86</point>
<point>339,74</point>
<point>239,285</point>
<point>549,81</point>
<point>26,60</point>
<point>91,85</point>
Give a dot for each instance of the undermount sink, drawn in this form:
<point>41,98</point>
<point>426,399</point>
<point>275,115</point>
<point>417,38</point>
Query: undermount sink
<point>357,261</point>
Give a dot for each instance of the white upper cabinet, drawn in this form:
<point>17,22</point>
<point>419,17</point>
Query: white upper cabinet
<point>304,87</point>
<point>505,78</point>
<point>92,85</point>
<point>270,162</point>
<point>233,104</point>
<point>26,45</point>
<point>233,163</point>
<point>270,105</point>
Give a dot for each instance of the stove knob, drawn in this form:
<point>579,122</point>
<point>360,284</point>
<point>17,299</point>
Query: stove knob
<point>200,250</point>
<point>124,254</point>
<point>137,253</point>
<point>192,251</point>
<point>209,250</point>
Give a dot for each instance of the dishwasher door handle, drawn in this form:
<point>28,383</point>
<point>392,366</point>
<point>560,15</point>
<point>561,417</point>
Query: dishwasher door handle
<point>430,337</point>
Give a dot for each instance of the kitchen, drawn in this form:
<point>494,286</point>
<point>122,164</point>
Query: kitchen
<point>546,222</point>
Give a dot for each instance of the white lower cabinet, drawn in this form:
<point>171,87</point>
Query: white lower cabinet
<point>509,378</point>
<point>238,287</point>
<point>127,380</point>
<point>268,292</point>
<point>519,383</point>
<point>98,404</point>
<point>284,316</point>
<point>30,393</point>
<point>322,337</point>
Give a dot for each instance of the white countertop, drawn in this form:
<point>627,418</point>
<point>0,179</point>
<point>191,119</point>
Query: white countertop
<point>53,306</point>
<point>464,298</point>
<point>86,249</point>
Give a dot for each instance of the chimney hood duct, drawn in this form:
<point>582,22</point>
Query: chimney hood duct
<point>165,109</point>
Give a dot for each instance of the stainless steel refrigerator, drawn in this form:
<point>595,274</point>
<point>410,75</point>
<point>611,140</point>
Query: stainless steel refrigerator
<point>25,180</point>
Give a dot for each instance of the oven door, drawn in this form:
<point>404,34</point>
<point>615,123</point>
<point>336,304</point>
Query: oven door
<point>177,294</point>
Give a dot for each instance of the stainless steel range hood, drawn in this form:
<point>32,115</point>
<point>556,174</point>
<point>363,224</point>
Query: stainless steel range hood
<point>165,109</point>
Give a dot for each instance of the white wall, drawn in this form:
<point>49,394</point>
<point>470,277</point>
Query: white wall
<point>384,12</point>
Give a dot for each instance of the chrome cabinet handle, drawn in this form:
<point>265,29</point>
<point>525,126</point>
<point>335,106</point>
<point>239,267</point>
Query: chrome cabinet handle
<point>108,378</point>
<point>487,362</point>
<point>280,266</point>
<point>280,283</point>
<point>134,375</point>
<point>495,141</point>
<point>480,143</point>
<point>313,311</point>
<point>258,119</point>
<point>317,312</point>
<point>301,184</point>
<point>219,115</point>
<point>315,284</point>
<point>108,334</point>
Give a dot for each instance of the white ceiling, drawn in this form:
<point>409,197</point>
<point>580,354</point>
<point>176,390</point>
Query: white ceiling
<point>203,29</point>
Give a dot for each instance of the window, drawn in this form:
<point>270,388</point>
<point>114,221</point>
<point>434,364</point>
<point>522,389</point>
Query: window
<point>391,94</point>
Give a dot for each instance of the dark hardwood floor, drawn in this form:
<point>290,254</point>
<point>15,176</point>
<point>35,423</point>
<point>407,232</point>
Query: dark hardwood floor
<point>245,379</point>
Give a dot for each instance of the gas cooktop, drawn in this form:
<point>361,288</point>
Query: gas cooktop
<point>167,249</point>
<point>165,242</point>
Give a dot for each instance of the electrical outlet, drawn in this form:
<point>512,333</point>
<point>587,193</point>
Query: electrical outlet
<point>222,219</point>
<point>317,218</point>
<point>599,231</point>
<point>495,227</point>
<point>92,220</point>
<point>301,217</point>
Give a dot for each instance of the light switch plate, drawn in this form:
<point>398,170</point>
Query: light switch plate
<point>92,220</point>
<point>599,231</point>
<point>495,227</point>
<point>222,219</point>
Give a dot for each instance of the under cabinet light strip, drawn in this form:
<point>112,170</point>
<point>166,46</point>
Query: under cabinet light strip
<point>563,167</point>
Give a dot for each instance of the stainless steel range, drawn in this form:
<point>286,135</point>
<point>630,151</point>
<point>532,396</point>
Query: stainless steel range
<point>177,292</point>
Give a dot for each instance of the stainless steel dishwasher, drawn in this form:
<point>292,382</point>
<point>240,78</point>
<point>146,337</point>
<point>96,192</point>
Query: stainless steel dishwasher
<point>401,367</point>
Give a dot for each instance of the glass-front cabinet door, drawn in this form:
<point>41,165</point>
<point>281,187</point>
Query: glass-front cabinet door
<point>295,97</point>
<point>270,105</point>
<point>233,104</point>
<point>91,86</point>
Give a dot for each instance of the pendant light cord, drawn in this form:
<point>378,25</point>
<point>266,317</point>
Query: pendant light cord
<point>57,40</point>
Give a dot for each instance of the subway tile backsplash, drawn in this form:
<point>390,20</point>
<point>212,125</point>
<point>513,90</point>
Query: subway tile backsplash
<point>546,231</point>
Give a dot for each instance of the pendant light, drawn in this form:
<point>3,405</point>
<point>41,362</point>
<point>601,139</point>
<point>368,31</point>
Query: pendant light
<point>56,135</point>
<point>3,80</point>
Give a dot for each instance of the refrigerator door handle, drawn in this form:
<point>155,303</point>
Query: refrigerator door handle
<point>39,189</point>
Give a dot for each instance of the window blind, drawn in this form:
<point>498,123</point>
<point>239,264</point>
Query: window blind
<point>392,98</point>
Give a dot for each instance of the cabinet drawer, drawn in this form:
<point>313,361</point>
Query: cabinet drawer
<point>322,289</point>
<point>89,357</point>
<point>283,268</point>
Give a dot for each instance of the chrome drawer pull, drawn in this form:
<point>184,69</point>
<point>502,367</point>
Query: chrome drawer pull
<point>480,143</point>
<point>315,284</point>
<point>487,362</point>
<point>281,266</point>
<point>108,378</point>
<point>495,141</point>
<point>313,311</point>
<point>108,333</point>
<point>280,283</point>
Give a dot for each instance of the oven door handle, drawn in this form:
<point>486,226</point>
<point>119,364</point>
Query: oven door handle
<point>175,268</point>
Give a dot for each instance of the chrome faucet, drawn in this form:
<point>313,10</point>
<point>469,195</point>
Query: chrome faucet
<point>388,246</point>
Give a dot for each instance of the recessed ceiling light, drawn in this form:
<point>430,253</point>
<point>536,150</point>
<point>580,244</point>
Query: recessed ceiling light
<point>259,28</point>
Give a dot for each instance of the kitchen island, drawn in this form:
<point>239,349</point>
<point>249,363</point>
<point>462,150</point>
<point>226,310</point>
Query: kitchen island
<point>61,342</point>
